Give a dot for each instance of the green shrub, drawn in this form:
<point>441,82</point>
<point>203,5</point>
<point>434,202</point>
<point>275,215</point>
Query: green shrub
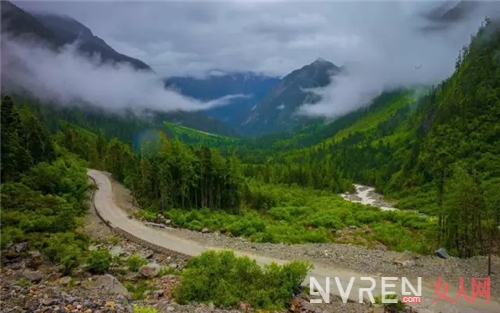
<point>135,262</point>
<point>391,307</point>
<point>99,261</point>
<point>226,280</point>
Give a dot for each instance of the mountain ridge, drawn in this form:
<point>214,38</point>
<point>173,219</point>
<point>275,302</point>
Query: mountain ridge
<point>253,86</point>
<point>275,112</point>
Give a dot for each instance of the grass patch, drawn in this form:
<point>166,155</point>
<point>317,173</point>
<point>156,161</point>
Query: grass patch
<point>139,289</point>
<point>190,135</point>
<point>297,215</point>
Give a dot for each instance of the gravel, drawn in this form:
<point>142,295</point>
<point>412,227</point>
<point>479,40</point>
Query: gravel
<point>372,262</point>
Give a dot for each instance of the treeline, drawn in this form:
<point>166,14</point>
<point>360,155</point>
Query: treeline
<point>163,173</point>
<point>304,171</point>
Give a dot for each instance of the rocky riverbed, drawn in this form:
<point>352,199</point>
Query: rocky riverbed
<point>367,195</point>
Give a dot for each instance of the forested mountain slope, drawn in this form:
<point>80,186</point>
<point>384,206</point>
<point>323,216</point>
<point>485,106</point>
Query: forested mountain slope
<point>440,154</point>
<point>290,197</point>
<point>57,31</point>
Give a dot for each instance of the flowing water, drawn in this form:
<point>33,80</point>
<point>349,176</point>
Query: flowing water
<point>367,195</point>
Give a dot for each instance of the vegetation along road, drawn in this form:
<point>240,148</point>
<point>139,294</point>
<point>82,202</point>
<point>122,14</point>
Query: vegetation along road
<point>108,209</point>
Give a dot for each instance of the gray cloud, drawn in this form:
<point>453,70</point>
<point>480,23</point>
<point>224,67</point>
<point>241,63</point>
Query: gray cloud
<point>67,77</point>
<point>384,40</point>
<point>399,50</point>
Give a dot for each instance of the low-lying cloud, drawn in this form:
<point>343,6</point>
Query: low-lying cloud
<point>398,49</point>
<point>67,77</point>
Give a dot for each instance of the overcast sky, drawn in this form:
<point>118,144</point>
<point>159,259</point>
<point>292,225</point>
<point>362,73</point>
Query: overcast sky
<point>382,42</point>
<point>178,38</point>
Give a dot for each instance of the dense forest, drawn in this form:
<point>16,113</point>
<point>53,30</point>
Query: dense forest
<point>43,191</point>
<point>435,150</point>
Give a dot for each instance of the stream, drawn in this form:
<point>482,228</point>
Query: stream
<point>367,195</point>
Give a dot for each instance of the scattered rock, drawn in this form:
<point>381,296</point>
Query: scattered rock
<point>244,306</point>
<point>158,294</point>
<point>148,254</point>
<point>381,247</point>
<point>408,263</point>
<point>117,251</point>
<point>65,280</point>
<point>150,270</point>
<point>441,253</point>
<point>49,302</point>
<point>32,276</point>
<point>17,266</point>
<point>111,284</point>
<point>21,247</point>
<point>34,260</point>
<point>352,227</point>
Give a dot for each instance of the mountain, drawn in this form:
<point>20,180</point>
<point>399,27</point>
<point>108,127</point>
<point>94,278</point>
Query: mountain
<point>57,31</point>
<point>216,86</point>
<point>409,143</point>
<point>60,30</point>
<point>275,112</point>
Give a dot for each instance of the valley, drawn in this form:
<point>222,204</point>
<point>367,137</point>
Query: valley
<point>331,260</point>
<point>125,206</point>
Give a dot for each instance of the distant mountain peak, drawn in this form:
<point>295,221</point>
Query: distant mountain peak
<point>321,60</point>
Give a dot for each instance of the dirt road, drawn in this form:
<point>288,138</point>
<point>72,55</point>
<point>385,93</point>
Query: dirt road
<point>107,208</point>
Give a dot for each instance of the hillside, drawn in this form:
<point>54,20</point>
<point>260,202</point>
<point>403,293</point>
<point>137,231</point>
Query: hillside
<point>320,133</point>
<point>275,112</point>
<point>61,30</point>
<point>216,86</point>
<point>58,31</point>
<point>198,137</point>
<point>429,151</point>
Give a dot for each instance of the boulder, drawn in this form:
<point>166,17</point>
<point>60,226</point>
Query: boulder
<point>35,259</point>
<point>65,280</point>
<point>32,276</point>
<point>117,251</point>
<point>205,230</point>
<point>21,247</point>
<point>441,253</point>
<point>110,284</point>
<point>150,270</point>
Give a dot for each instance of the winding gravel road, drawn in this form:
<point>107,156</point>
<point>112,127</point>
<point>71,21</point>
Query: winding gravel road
<point>105,205</point>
